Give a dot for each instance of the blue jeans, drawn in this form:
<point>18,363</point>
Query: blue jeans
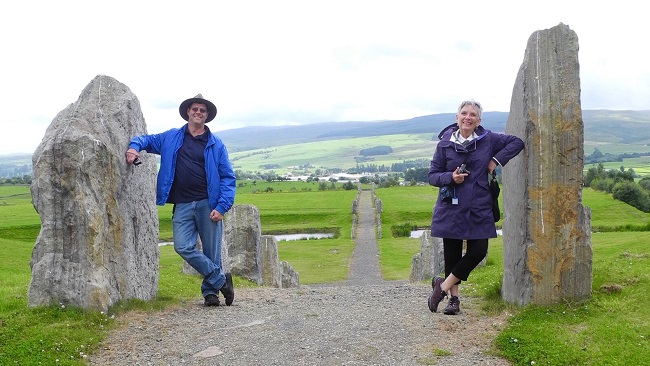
<point>192,219</point>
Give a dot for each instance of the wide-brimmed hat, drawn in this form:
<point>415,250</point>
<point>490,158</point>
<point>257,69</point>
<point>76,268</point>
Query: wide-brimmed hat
<point>212,109</point>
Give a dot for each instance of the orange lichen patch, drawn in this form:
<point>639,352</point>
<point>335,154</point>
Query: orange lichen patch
<point>557,237</point>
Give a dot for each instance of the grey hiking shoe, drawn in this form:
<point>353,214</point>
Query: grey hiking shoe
<point>454,306</point>
<point>437,294</point>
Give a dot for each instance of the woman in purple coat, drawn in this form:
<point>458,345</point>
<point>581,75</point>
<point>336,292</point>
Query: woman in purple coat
<point>464,157</point>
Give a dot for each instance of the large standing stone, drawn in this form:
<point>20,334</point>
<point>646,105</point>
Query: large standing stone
<point>546,229</point>
<point>98,242</point>
<point>242,242</point>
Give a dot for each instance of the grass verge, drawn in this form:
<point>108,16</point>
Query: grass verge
<point>610,328</point>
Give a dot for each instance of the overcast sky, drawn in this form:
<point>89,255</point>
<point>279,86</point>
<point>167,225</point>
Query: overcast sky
<point>294,62</point>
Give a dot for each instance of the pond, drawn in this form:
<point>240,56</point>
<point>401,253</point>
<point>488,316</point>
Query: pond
<point>285,237</point>
<point>417,233</point>
<point>304,236</point>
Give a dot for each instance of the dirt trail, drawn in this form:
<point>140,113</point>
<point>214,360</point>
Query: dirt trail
<point>361,321</point>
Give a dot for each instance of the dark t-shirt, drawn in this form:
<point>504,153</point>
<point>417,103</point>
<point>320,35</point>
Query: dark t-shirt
<point>190,183</point>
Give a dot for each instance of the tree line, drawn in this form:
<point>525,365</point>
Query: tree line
<point>621,184</point>
<point>25,179</point>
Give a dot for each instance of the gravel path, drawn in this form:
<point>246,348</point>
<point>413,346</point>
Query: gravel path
<point>361,321</point>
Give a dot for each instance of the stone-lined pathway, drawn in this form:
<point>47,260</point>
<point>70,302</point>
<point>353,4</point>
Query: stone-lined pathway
<point>364,265</point>
<point>361,321</point>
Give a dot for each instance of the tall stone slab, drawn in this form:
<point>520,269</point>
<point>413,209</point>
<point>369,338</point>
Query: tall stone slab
<point>242,242</point>
<point>430,260</point>
<point>98,242</point>
<point>270,262</point>
<point>276,273</point>
<point>546,229</point>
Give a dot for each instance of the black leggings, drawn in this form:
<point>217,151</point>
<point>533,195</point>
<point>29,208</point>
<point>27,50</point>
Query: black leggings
<point>457,263</point>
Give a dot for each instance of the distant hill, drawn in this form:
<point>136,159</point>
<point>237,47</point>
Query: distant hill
<point>600,125</point>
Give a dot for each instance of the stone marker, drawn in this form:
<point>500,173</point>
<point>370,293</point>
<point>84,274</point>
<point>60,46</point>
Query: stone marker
<point>249,254</point>
<point>290,278</point>
<point>546,229</point>
<point>242,242</point>
<point>430,261</point>
<point>270,262</point>
<point>276,273</point>
<point>98,242</point>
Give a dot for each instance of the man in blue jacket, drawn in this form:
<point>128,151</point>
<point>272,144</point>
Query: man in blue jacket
<point>197,177</point>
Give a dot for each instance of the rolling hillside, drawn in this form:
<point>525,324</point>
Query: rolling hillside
<point>601,126</point>
<point>337,144</point>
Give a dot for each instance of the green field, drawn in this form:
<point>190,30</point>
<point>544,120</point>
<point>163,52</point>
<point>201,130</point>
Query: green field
<point>614,147</point>
<point>613,327</point>
<point>641,165</point>
<point>324,154</point>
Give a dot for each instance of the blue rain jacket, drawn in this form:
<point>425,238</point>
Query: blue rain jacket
<point>220,176</point>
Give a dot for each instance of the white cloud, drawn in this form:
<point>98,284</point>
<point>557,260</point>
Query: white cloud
<point>288,62</point>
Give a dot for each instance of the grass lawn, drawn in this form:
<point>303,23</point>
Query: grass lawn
<point>610,328</point>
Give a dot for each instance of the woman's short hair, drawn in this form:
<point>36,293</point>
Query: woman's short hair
<point>473,103</point>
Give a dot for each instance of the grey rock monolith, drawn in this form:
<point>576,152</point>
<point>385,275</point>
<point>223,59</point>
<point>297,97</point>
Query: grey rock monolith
<point>546,229</point>
<point>271,269</point>
<point>98,242</point>
<point>290,278</point>
<point>276,273</point>
<point>242,242</point>
<point>429,261</point>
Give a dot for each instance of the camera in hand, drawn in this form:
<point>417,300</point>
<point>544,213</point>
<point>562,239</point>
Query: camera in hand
<point>137,161</point>
<point>463,169</point>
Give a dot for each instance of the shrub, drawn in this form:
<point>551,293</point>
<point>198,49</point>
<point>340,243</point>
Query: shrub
<point>632,194</point>
<point>402,230</point>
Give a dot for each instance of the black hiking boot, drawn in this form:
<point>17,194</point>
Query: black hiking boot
<point>228,290</point>
<point>211,300</point>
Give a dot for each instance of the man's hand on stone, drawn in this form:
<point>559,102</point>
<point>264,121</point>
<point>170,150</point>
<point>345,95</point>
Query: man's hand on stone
<point>132,156</point>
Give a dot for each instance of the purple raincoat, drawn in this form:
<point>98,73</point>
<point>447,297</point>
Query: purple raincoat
<point>472,217</point>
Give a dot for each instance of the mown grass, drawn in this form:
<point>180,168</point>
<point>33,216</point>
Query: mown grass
<point>402,205</point>
<point>610,328</point>
<point>317,261</point>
